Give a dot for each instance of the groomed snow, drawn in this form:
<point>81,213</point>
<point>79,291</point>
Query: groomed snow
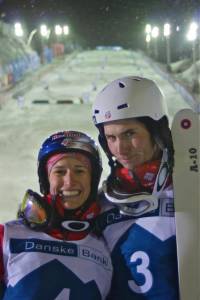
<point>24,125</point>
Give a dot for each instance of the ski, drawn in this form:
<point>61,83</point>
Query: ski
<point>185,134</point>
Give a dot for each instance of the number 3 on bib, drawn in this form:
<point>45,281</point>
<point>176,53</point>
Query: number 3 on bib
<point>141,268</point>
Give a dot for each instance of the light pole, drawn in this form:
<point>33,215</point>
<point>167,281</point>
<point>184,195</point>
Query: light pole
<point>167,32</point>
<point>148,37</point>
<point>192,37</point>
<point>148,40</point>
<point>58,30</point>
<point>155,34</point>
<point>65,29</point>
<point>44,33</point>
<point>18,29</point>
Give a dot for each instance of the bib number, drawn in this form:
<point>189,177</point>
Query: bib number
<point>141,268</point>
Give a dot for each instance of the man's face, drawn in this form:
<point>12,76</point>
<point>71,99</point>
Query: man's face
<point>130,142</point>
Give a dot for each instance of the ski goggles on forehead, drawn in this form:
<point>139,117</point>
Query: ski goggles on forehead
<point>34,210</point>
<point>82,144</point>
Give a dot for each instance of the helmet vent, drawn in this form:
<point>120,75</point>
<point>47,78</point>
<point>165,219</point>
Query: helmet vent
<point>124,105</point>
<point>121,85</point>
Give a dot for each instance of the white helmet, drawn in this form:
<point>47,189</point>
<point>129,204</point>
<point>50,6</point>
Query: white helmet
<point>126,98</point>
<point>129,97</point>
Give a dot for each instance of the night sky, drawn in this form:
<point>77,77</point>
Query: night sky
<point>102,22</point>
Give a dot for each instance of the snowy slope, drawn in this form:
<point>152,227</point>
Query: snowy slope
<point>22,129</point>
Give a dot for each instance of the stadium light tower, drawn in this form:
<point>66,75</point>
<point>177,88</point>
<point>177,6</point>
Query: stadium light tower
<point>44,31</point>
<point>148,40</point>
<point>58,30</point>
<point>148,37</point>
<point>65,29</point>
<point>155,34</point>
<point>18,29</point>
<point>148,28</point>
<point>167,33</point>
<point>192,37</point>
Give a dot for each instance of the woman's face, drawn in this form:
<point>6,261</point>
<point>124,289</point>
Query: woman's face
<point>71,179</point>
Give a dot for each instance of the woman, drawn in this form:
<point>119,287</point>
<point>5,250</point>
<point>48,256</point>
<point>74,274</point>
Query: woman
<point>51,251</point>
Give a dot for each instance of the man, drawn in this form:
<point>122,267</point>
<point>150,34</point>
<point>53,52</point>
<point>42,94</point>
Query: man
<point>131,117</point>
